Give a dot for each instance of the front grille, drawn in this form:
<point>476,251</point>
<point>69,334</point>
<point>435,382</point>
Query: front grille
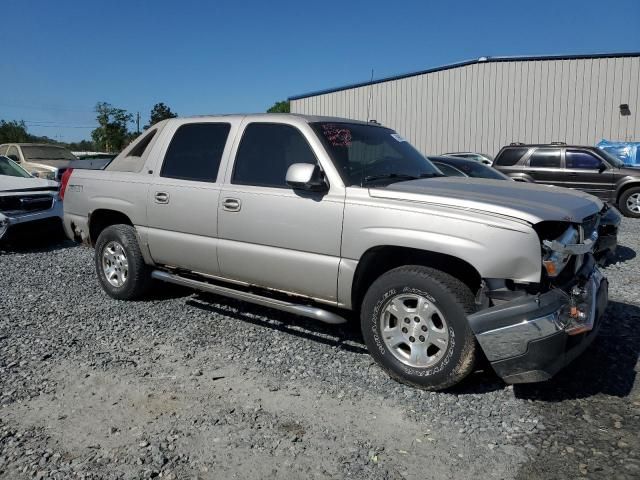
<point>25,203</point>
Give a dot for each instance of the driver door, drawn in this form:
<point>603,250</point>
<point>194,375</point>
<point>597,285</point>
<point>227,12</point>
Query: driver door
<point>269,234</point>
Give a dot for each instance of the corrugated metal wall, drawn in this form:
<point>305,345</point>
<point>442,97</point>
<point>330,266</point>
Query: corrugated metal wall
<point>485,105</point>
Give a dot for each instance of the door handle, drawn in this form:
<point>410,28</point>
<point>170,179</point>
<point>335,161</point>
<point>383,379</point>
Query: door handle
<point>572,174</point>
<point>162,197</point>
<point>231,204</point>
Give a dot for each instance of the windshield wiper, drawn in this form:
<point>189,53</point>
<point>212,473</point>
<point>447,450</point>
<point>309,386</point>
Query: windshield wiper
<point>431,175</point>
<point>390,176</point>
<point>400,176</point>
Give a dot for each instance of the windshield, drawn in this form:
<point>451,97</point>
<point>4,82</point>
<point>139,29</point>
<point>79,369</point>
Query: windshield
<point>12,169</point>
<point>613,160</point>
<point>44,152</point>
<point>372,155</point>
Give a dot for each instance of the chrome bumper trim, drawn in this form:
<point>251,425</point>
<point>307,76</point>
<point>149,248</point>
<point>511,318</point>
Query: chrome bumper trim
<point>513,340</point>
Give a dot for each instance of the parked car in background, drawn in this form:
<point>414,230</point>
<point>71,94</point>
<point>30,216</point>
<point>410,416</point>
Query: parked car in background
<point>478,157</point>
<point>462,167</point>
<point>610,218</point>
<point>589,169</point>
<point>318,216</point>
<point>26,200</point>
<point>40,159</point>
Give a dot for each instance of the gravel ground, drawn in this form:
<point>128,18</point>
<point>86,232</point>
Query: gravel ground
<point>185,385</point>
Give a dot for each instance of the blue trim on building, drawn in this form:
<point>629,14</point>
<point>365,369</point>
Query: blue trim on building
<point>464,64</point>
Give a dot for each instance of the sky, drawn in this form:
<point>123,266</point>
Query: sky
<point>59,58</point>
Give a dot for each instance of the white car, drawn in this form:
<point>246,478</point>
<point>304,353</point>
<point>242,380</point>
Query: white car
<point>26,199</point>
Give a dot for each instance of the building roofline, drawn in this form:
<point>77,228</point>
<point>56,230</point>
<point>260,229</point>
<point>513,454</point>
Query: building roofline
<point>523,58</point>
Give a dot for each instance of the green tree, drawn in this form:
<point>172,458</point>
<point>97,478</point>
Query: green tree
<point>13,132</point>
<point>160,112</point>
<point>112,133</point>
<point>280,107</point>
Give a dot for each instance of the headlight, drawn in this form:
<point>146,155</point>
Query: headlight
<point>557,255</point>
<point>48,175</point>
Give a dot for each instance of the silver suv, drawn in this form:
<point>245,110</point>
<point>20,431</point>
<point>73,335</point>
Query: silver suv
<point>319,216</point>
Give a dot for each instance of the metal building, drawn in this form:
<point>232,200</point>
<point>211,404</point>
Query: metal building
<point>481,105</point>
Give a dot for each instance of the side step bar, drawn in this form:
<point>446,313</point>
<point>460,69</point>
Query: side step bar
<point>302,310</point>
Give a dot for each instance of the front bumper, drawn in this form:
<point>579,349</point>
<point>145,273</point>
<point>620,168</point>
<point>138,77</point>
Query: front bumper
<point>11,220</point>
<point>527,339</point>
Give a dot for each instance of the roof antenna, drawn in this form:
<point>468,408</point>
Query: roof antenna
<point>369,101</point>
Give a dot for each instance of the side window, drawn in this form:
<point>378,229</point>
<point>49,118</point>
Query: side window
<point>265,153</point>
<point>545,158</point>
<point>510,156</point>
<point>581,160</point>
<point>12,153</point>
<point>195,152</point>
<point>142,145</point>
<point>448,170</point>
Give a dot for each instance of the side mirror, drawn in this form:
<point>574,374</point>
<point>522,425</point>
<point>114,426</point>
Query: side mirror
<point>306,176</point>
<point>602,167</point>
<point>35,174</point>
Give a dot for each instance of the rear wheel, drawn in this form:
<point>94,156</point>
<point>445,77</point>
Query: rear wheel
<point>629,203</point>
<point>414,322</point>
<point>120,266</point>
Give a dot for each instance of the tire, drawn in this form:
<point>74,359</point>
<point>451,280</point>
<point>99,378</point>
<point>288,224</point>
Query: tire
<point>123,278</point>
<point>630,199</point>
<point>446,301</point>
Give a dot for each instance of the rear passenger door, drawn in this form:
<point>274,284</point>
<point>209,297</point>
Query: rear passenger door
<point>545,166</point>
<point>183,197</point>
<point>270,234</point>
<point>588,173</point>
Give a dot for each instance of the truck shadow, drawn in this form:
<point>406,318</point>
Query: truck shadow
<point>622,254</point>
<point>347,336</point>
<point>606,367</point>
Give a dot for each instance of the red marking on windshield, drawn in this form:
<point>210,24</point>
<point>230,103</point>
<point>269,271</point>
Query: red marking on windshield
<point>337,136</point>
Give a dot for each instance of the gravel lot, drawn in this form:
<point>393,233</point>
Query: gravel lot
<point>186,385</point>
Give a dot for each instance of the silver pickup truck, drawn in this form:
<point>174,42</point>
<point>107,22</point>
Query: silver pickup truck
<point>321,216</point>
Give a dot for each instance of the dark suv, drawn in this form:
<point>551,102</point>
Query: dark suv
<point>583,168</point>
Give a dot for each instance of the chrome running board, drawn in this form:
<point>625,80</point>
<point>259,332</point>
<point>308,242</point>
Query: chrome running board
<point>303,310</point>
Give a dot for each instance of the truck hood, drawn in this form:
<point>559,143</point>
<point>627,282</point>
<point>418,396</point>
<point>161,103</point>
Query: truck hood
<point>525,201</point>
<point>19,184</point>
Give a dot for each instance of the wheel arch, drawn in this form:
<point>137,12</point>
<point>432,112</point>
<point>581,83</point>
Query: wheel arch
<point>102,218</point>
<point>624,187</point>
<point>380,259</point>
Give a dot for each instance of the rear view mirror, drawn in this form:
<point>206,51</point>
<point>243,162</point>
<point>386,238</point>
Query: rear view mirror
<point>306,176</point>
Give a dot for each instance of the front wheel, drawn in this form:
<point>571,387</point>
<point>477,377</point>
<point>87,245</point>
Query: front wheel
<point>629,203</point>
<point>414,322</point>
<point>120,266</point>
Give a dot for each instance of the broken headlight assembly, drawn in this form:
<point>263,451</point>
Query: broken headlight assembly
<point>558,252</point>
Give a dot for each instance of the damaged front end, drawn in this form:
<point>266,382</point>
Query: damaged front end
<point>529,332</point>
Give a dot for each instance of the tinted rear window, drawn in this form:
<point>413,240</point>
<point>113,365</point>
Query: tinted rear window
<point>510,156</point>
<point>545,158</point>
<point>195,152</point>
